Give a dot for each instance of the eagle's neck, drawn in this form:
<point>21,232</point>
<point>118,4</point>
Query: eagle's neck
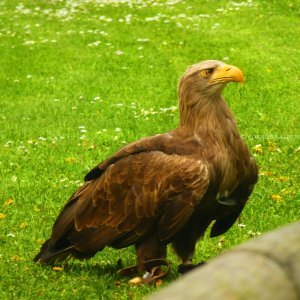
<point>210,121</point>
<point>206,116</point>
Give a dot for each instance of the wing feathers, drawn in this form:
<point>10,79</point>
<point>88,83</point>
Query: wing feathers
<point>167,143</point>
<point>176,214</point>
<point>167,194</point>
<point>136,192</point>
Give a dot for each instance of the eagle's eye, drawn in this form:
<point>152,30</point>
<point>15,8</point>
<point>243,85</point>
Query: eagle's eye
<point>207,72</point>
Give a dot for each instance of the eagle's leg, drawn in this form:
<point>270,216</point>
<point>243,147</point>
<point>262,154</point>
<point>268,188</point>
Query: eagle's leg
<point>151,255</point>
<point>185,250</point>
<point>185,242</point>
<point>148,249</point>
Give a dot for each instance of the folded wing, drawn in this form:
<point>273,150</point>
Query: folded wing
<point>133,194</point>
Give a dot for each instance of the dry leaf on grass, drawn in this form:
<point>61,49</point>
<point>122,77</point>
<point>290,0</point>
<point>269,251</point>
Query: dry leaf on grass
<point>276,198</point>
<point>9,201</point>
<point>2,216</point>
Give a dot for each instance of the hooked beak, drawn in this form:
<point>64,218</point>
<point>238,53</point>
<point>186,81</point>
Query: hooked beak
<point>227,73</point>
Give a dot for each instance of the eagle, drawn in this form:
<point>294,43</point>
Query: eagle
<point>165,189</point>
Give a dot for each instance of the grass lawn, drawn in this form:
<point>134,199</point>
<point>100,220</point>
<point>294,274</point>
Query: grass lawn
<point>81,78</point>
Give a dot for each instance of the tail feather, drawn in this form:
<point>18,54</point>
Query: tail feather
<point>58,247</point>
<point>50,257</point>
<point>66,241</point>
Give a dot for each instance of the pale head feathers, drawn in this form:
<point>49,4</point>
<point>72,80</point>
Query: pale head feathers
<point>200,88</point>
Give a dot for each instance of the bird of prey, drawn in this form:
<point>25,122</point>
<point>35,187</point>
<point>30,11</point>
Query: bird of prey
<point>164,189</point>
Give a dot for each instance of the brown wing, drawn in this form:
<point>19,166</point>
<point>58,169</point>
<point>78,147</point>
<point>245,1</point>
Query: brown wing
<point>169,143</point>
<point>139,193</point>
<point>151,184</point>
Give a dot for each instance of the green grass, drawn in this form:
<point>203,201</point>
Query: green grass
<point>67,103</point>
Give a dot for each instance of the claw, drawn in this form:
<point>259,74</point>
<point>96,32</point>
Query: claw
<point>158,269</point>
<point>147,275</point>
<point>148,278</point>
<point>152,276</point>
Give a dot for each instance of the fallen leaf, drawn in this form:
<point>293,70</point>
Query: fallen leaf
<point>58,269</point>
<point>258,148</point>
<point>2,216</point>
<point>70,160</point>
<point>23,225</point>
<point>91,147</point>
<point>266,173</point>
<point>16,258</point>
<point>272,147</point>
<point>158,282</point>
<point>9,201</point>
<point>135,281</point>
<point>276,198</point>
<point>283,178</point>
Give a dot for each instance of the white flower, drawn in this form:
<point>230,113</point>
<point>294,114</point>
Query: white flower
<point>94,44</point>
<point>143,40</point>
<point>29,43</point>
<point>8,143</point>
<point>119,52</point>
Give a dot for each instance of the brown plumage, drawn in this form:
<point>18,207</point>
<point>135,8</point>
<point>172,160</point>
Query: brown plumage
<point>167,188</point>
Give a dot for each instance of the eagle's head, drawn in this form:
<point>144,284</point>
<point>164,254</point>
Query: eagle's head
<point>208,78</point>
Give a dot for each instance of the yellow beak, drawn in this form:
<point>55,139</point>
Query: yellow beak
<point>227,73</point>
